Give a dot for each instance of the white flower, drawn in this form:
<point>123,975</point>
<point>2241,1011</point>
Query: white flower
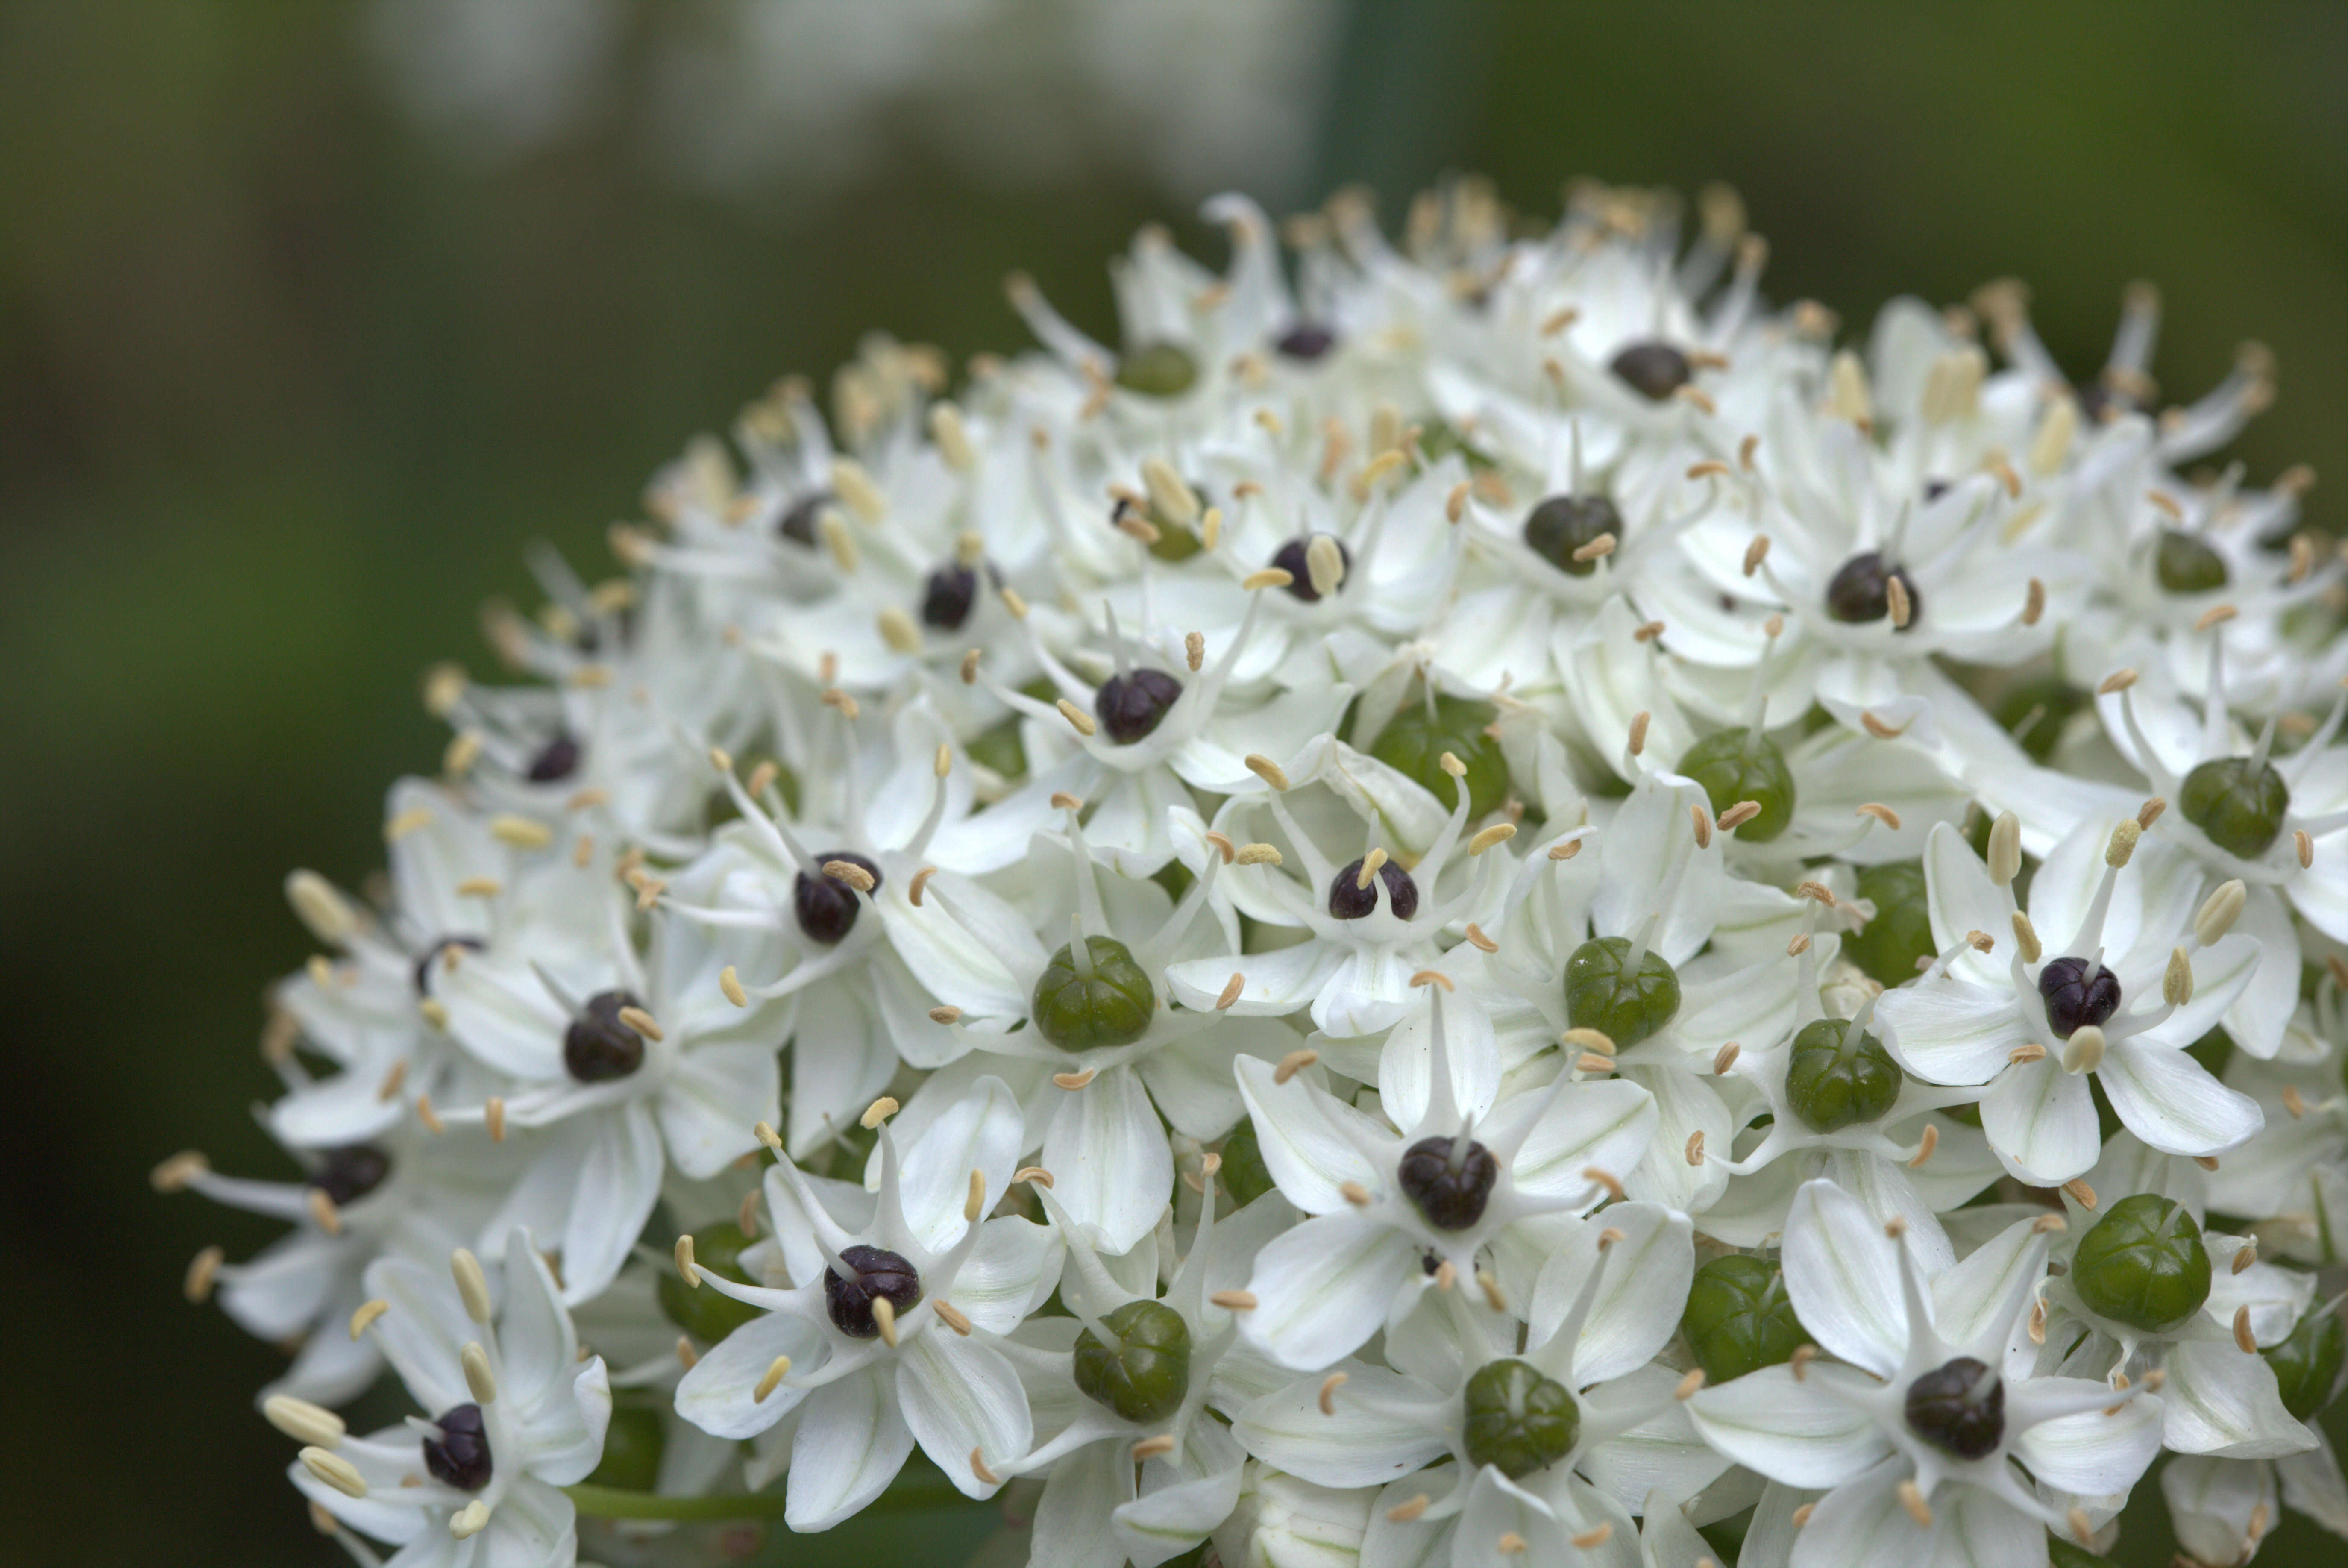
<point>511,1416</point>
<point>1391,1212</point>
<point>887,1336</point>
<point>626,1064</point>
<point>1098,1509</point>
<point>1915,1441</point>
<point>1591,1330</point>
<point>2075,997</point>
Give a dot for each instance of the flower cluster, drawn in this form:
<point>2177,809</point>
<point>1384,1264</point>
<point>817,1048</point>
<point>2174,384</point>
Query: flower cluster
<point>1474,901</point>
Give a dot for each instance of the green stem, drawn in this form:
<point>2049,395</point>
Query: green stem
<point>911,1490</point>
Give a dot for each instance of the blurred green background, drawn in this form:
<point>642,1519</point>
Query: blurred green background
<point>311,315</point>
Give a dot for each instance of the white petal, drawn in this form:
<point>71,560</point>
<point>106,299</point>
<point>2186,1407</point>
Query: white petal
<point>1639,1301</point>
<point>1387,1428</point>
<point>1007,1273</point>
<point>851,1445</point>
<point>424,1330</point>
<point>619,1181</point>
<point>2091,1453</point>
<point>2313,1484</point>
<point>1283,980</point>
<point>1685,1105</point>
<point>1662,1454</point>
<point>1607,1125</point>
<point>1311,1142</point>
<point>2170,1102</point>
<point>959,1396</point>
<point>714,1095</point>
<point>1950,1030</point>
<point>1073,1524</point>
<point>2261,1014</point>
<point>534,1524</point>
<point>1971,1298</point>
<point>1324,1287</point>
<point>1470,1046</point>
<point>1107,1151</point>
<point>1959,895</point>
<point>1190,1079</point>
<point>1184,1498</point>
<point>1844,1278</point>
<point>1791,1430</point>
<point>2041,1120</point>
<point>983,1130</point>
<point>2219,1401</point>
<point>845,1062</point>
<point>2211,1501</point>
<point>538,1350</point>
<point>716,1393</point>
<point>1499,1506</point>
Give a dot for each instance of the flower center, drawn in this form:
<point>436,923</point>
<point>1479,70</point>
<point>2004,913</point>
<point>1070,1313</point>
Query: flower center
<point>350,1172</point>
<point>827,907</point>
<point>2143,1265</point>
<point>2184,563</point>
<point>798,522</point>
<point>1739,765</point>
<point>1840,1074</point>
<point>1104,1000</point>
<point>1564,523</point>
<point>953,588</point>
<point>1130,706</point>
<point>2075,998</point>
<point>556,760</point>
<point>1654,369</point>
<point>1451,1191</point>
<point>1145,1376</point>
<point>1518,1420</point>
<point>1350,898</point>
<point>875,1272</point>
<point>1860,591</point>
<point>1625,1007</point>
<point>2239,804</point>
<point>436,956</point>
<point>1959,1406</point>
<point>598,1048</point>
<point>1306,340</point>
<point>1157,370</point>
<point>459,1456</point>
<point>1295,559</point>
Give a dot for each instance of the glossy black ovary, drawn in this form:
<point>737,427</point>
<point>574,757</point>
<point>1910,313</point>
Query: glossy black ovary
<point>1130,706</point>
<point>1960,1407</point>
<point>2075,998</point>
<point>825,906</point>
<point>798,522</point>
<point>876,1273</point>
<point>598,1047</point>
<point>459,1456</point>
<point>556,760</point>
<point>349,1173</point>
<point>1450,1192</point>
<point>1860,591</point>
<point>1653,369</point>
<point>1349,900</point>
<point>953,589</point>
<point>1305,341</point>
<point>1290,558</point>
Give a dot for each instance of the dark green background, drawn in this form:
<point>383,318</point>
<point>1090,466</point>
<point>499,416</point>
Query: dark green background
<point>286,388</point>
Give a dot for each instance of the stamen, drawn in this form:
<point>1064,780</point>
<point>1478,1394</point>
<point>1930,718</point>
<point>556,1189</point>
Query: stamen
<point>1292,1064</point>
<point>334,1471</point>
<point>203,1272</point>
<point>686,1270</point>
<point>2081,1193</point>
<point>303,1421</point>
<point>975,1203</point>
<point>951,1316</point>
<point>1265,768</point>
<point>2218,912</point>
<point>878,1111</point>
<point>2244,1340</point>
<point>1604,1178</point>
<point>1725,1059</point>
<point>1912,1496</point>
<point>479,1378</point>
<point>1329,1387</point>
<point>884,1317</point>
<point>1925,1145</point>
<point>1234,1300</point>
<point>730,983</point>
<point>1151,1448</point>
<point>1403,1512</point>
<point>472,1285</point>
